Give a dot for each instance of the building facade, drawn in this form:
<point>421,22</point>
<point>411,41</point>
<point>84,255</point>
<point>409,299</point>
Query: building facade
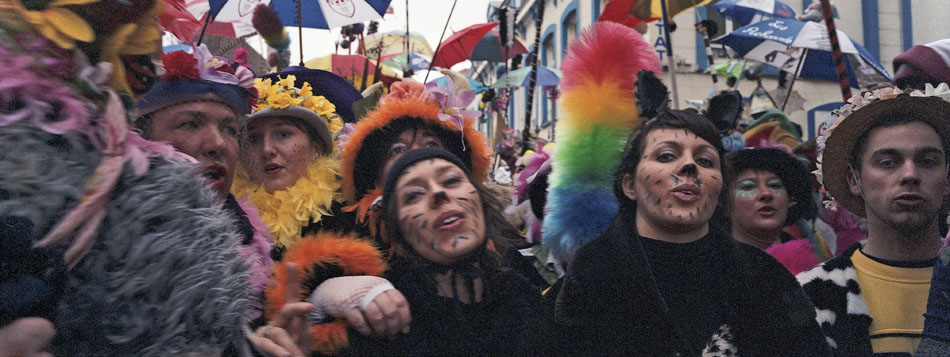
<point>885,28</point>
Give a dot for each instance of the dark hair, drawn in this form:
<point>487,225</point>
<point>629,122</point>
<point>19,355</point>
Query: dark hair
<point>787,167</point>
<point>497,230</point>
<point>374,152</point>
<point>688,119</point>
<point>888,120</point>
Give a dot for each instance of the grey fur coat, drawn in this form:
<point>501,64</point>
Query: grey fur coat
<point>164,275</point>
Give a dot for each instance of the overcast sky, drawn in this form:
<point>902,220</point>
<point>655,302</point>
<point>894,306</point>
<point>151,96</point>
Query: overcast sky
<point>426,17</point>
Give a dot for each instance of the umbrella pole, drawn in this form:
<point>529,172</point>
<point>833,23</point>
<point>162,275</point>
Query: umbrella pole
<point>300,29</point>
<point>836,54</point>
<point>794,77</point>
<point>203,28</point>
<point>436,54</point>
<point>669,54</point>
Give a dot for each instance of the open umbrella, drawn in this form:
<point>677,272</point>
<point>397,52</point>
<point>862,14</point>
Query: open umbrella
<point>459,46</point>
<point>352,68</point>
<point>490,49</point>
<point>415,61</point>
<point>473,84</point>
<point>520,78</point>
<point>323,14</point>
<point>394,42</point>
<point>803,48</point>
<point>745,11</point>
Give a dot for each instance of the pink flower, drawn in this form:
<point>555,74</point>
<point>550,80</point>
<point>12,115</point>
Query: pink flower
<point>453,107</point>
<point>406,89</point>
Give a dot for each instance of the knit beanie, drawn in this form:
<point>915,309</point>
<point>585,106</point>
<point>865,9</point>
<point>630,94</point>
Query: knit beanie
<point>412,157</point>
<point>933,59</point>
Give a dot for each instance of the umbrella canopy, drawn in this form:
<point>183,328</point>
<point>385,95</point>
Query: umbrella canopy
<point>399,60</point>
<point>744,11</point>
<point>489,48</point>
<point>232,20</point>
<point>619,11</point>
<point>782,43</point>
<point>395,42</point>
<point>459,46</point>
<point>521,76</point>
<point>352,68</point>
<point>651,9</point>
<point>475,85</point>
<point>323,14</point>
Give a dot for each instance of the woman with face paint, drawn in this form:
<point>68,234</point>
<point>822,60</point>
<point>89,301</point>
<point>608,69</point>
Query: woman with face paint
<point>663,279</point>
<point>446,231</point>
<point>771,190</point>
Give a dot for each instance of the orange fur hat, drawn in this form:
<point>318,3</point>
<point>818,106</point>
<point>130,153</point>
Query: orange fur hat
<point>407,100</point>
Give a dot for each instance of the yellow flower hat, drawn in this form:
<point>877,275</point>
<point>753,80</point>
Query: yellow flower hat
<point>283,99</point>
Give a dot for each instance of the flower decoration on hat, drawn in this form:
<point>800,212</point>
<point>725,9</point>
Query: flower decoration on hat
<point>284,94</point>
<point>201,65</point>
<point>453,104</point>
<point>838,116</point>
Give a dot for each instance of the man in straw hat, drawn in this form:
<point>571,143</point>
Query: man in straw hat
<point>884,157</point>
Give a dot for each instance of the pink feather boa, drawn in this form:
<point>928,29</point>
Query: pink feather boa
<point>258,255</point>
<point>796,255</point>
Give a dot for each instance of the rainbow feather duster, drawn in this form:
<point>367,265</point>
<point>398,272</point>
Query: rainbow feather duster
<point>600,112</point>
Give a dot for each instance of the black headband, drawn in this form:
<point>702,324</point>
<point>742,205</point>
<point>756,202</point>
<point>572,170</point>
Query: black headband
<point>410,158</point>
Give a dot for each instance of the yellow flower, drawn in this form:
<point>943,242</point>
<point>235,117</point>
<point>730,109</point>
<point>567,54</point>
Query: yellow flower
<point>306,90</point>
<point>288,82</point>
<point>335,124</point>
<point>56,23</point>
<point>280,101</point>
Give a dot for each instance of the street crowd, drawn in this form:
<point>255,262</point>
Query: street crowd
<point>193,207</point>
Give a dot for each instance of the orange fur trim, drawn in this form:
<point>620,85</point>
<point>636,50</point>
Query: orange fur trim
<point>355,256</point>
<point>428,110</point>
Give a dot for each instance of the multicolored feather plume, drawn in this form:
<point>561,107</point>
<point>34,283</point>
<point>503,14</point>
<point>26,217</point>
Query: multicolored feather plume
<point>600,112</point>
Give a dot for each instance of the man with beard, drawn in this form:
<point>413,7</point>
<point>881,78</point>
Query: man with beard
<point>198,106</point>
<point>885,158</point>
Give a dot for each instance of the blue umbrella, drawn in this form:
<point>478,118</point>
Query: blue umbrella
<point>323,14</point>
<point>522,76</point>
<point>783,43</point>
<point>744,11</point>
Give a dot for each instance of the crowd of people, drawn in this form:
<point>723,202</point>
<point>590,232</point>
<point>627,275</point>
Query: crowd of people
<point>196,208</point>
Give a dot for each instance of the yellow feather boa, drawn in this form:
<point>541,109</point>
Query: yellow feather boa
<point>289,210</point>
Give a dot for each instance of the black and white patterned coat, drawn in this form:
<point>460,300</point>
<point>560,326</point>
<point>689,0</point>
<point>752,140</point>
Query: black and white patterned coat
<point>841,309</point>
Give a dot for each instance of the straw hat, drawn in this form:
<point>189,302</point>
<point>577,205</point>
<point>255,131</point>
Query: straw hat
<point>848,123</point>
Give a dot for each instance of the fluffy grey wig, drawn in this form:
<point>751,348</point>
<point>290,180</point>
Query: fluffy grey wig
<point>164,275</point>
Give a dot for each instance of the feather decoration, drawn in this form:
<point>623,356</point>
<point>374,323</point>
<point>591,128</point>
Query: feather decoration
<point>600,112</point>
<point>268,24</point>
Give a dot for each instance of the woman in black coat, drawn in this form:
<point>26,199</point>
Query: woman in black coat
<point>446,232</point>
<point>663,280</point>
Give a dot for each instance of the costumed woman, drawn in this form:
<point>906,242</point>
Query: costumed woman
<point>446,230</point>
<point>659,278</point>
<point>769,191</point>
<point>112,239</point>
<point>289,169</point>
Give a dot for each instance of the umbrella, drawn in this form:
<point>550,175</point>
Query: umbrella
<point>459,46</point>
<point>795,101</point>
<point>324,14</point>
<point>232,20</point>
<point>489,48</point>
<point>745,11</point>
<point>352,67</point>
<point>398,60</point>
<point>477,87</point>
<point>520,78</point>
<point>783,43</point>
<point>652,9</point>
<point>395,42</point>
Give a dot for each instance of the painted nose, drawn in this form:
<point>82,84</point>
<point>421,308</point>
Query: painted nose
<point>689,170</point>
<point>439,198</point>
